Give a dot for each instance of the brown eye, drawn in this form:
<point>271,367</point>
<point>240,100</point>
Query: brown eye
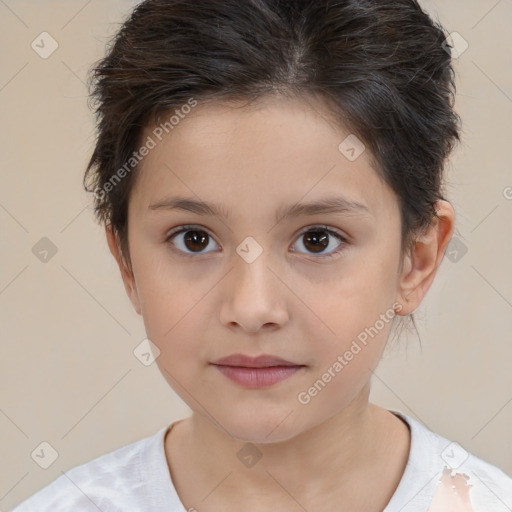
<point>318,239</point>
<point>194,241</point>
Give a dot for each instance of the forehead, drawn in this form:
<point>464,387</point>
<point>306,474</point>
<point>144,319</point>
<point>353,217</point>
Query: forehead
<point>275,151</point>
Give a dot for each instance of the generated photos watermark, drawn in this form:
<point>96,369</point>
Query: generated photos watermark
<point>305,397</point>
<point>149,144</point>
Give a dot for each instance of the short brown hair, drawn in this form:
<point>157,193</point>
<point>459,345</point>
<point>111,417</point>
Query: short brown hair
<point>380,65</point>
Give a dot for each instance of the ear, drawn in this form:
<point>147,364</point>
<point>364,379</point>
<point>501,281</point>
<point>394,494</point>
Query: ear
<point>126,274</point>
<point>420,266</point>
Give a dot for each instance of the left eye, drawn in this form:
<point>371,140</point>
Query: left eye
<point>318,238</point>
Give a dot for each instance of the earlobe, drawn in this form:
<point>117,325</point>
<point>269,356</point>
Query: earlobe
<point>126,274</point>
<point>421,264</point>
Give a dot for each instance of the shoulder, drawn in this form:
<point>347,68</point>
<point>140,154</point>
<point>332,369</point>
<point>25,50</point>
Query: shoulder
<point>490,487</point>
<point>111,482</point>
<point>455,471</point>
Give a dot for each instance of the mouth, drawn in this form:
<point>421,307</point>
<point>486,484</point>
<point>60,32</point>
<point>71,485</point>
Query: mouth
<point>256,372</point>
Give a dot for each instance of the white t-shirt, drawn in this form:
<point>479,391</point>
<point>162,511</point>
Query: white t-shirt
<point>440,476</point>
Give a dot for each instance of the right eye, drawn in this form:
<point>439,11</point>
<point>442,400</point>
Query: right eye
<point>194,241</point>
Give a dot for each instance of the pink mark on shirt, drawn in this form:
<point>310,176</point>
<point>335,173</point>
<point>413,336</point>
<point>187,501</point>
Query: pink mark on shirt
<point>452,493</point>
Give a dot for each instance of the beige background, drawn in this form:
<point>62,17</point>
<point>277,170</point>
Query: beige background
<point>68,373</point>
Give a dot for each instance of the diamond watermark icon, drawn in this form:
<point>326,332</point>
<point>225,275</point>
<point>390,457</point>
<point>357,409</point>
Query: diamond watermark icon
<point>456,250</point>
<point>44,250</point>
<point>44,45</point>
<point>146,352</point>
<point>454,455</point>
<point>249,455</point>
<point>455,45</point>
<point>351,148</point>
<point>249,249</point>
<point>44,455</point>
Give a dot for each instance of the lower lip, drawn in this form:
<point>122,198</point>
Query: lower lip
<point>258,377</point>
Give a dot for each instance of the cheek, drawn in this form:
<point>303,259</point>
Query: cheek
<point>353,315</point>
<point>168,312</point>
<point>343,365</point>
<point>172,309</point>
<point>353,297</point>
<point>161,297</point>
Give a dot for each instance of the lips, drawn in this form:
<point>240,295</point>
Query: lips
<point>256,372</point>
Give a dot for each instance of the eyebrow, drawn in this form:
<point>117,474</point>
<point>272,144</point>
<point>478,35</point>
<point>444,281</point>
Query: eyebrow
<point>337,204</point>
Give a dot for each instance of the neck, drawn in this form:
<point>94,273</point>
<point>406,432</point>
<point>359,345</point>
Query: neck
<point>336,455</point>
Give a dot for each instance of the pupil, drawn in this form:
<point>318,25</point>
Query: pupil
<point>196,238</point>
<point>319,240</point>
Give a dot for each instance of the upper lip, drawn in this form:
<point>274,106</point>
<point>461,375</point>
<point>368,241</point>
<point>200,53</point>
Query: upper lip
<point>263,361</point>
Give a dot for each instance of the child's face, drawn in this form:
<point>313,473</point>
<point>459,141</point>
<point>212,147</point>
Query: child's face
<point>290,301</point>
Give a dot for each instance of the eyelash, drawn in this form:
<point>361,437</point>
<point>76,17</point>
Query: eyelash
<point>327,229</point>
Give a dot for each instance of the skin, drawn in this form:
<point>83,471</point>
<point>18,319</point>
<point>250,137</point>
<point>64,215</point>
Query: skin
<point>338,451</point>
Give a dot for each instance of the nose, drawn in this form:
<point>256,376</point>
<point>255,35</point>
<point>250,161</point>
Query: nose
<point>254,297</point>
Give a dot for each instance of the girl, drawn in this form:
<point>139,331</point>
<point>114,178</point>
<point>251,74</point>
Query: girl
<point>269,173</point>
